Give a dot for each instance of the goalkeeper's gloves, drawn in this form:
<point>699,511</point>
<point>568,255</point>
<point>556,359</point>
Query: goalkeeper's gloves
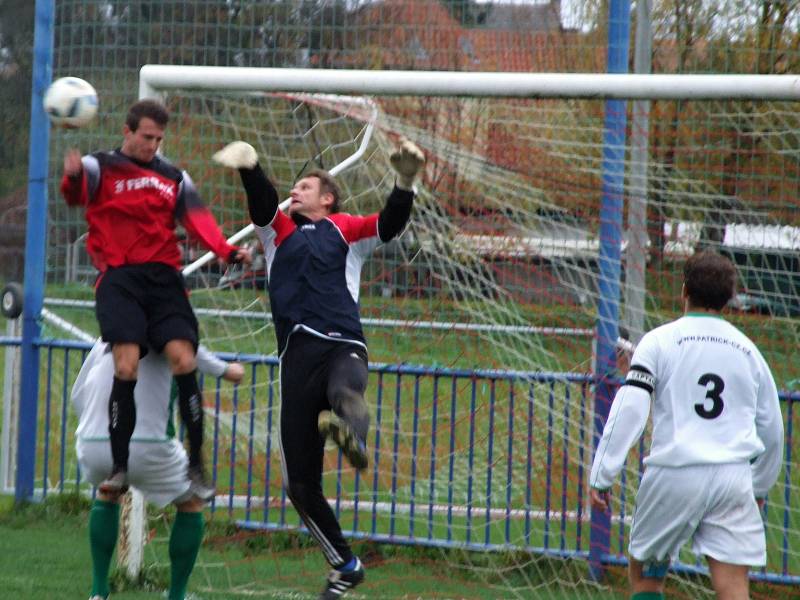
<point>407,160</point>
<point>237,155</point>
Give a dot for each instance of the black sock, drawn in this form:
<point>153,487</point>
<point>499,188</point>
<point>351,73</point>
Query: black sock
<point>121,421</point>
<point>190,405</point>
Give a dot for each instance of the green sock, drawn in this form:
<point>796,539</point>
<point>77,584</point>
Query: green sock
<point>184,544</point>
<point>648,596</point>
<point>103,529</point>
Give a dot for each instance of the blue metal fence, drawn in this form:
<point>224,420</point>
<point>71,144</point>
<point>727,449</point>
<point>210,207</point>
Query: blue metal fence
<point>482,460</point>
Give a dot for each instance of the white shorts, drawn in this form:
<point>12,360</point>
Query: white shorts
<point>157,469</point>
<point>713,505</point>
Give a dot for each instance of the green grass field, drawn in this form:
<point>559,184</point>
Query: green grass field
<point>55,534</point>
<point>46,555</point>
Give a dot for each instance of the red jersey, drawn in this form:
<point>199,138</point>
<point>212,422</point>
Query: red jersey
<point>132,210</point>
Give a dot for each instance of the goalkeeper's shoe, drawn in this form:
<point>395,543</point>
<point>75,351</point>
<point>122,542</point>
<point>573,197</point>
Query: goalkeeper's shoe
<point>116,484</point>
<point>237,155</point>
<point>344,436</point>
<point>339,583</point>
<point>199,484</point>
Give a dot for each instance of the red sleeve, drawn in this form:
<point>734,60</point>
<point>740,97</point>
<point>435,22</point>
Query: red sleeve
<point>354,227</point>
<point>282,225</point>
<point>198,220</point>
<point>74,190</point>
<point>202,226</point>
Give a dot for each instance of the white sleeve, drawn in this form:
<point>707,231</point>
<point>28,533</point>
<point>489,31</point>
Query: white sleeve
<point>645,357</point>
<point>769,427</point>
<point>82,385</point>
<point>625,424</point>
<point>210,364</point>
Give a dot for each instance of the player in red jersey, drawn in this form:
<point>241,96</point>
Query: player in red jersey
<point>133,200</point>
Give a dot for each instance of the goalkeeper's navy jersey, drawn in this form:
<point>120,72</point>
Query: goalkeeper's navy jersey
<point>132,210</point>
<point>314,270</point>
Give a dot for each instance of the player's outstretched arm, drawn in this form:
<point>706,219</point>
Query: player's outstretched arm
<point>262,197</point>
<point>234,372</point>
<point>201,225</point>
<point>407,160</point>
<point>208,363</point>
<point>216,367</point>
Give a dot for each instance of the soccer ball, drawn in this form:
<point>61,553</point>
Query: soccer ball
<point>70,102</point>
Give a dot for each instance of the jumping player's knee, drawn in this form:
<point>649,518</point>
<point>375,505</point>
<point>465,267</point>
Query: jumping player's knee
<point>126,361</point>
<point>181,356</point>
<point>126,372</point>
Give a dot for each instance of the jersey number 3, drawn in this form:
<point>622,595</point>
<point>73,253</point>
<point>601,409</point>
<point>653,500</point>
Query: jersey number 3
<point>713,394</point>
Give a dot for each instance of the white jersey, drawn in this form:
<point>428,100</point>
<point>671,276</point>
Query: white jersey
<point>92,389</point>
<point>714,402</point>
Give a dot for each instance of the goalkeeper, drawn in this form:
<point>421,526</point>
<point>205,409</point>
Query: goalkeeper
<point>717,440</point>
<point>314,257</point>
<point>133,200</point>
<point>158,462</point>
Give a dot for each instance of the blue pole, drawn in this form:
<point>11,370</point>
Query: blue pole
<point>35,241</point>
<point>619,22</point>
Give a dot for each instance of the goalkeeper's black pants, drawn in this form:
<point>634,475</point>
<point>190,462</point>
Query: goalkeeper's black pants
<point>318,374</point>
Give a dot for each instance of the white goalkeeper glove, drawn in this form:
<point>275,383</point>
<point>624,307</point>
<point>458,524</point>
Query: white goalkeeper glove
<point>237,155</point>
<point>407,160</point>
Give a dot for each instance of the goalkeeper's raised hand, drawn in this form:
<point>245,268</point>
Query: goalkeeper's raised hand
<point>407,160</point>
<point>237,155</point>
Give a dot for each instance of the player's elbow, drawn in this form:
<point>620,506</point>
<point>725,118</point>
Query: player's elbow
<point>771,435</point>
<point>70,197</point>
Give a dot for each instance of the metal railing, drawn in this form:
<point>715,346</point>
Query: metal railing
<point>476,459</point>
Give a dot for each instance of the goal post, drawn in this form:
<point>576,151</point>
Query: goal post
<point>496,268</point>
<point>155,79</point>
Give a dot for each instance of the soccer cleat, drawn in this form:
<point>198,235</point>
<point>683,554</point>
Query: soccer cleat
<point>99,598</point>
<point>340,583</point>
<point>237,155</point>
<point>116,484</point>
<point>199,485</point>
<point>343,435</point>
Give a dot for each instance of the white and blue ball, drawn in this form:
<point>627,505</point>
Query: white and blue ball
<point>70,102</point>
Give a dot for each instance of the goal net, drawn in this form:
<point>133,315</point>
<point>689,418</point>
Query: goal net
<point>482,323</point>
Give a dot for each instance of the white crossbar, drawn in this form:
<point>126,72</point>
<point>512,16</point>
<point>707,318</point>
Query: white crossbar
<point>154,79</point>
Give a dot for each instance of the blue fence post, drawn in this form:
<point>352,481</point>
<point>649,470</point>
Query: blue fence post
<point>609,259</point>
<point>35,240</point>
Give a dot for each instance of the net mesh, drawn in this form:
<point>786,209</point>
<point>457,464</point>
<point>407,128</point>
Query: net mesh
<point>481,453</point>
<point>497,270</point>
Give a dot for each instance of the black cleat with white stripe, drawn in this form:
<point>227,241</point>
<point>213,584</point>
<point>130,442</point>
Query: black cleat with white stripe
<point>339,583</point>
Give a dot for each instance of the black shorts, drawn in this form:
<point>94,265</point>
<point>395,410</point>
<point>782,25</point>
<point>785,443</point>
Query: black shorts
<point>144,304</point>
